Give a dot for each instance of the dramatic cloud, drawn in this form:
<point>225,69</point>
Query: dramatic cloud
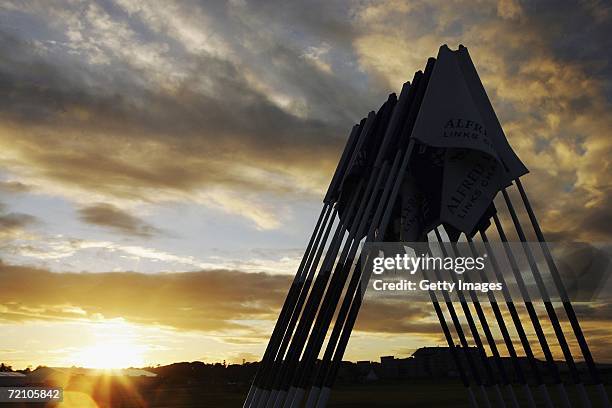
<point>107,215</point>
<point>551,101</point>
<point>155,101</point>
<point>207,301</point>
<point>225,302</point>
<point>13,187</point>
<point>210,122</point>
<point>13,221</point>
<point>214,301</point>
<point>393,316</point>
<point>13,224</point>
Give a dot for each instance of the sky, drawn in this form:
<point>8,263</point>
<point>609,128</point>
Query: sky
<point>162,164</point>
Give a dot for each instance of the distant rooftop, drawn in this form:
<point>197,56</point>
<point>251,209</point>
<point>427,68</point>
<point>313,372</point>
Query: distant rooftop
<point>11,374</point>
<point>126,372</point>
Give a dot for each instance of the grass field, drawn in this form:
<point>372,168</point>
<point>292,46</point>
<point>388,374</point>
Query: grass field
<point>419,393</point>
<point>415,393</point>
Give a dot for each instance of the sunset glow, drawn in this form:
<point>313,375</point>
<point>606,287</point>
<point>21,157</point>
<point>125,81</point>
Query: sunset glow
<point>110,355</point>
<point>115,346</point>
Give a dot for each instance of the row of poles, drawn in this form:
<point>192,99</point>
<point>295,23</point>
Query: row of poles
<point>292,375</point>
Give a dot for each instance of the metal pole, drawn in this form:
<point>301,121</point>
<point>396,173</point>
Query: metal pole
<point>533,317</point>
<point>567,305</point>
<point>352,287</point>
<point>329,304</point>
<point>489,335</point>
<point>329,257</point>
<point>471,324</point>
<point>550,309</point>
<point>321,282</point>
<point>520,330</point>
<point>289,305</point>
<point>296,287</point>
<point>419,83</point>
<point>414,104</point>
<point>287,371</point>
<point>332,295</point>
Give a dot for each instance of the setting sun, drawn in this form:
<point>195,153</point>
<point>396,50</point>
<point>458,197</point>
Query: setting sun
<point>110,355</point>
<point>115,345</point>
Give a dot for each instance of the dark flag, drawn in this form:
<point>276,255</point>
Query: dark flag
<point>484,223</point>
<point>454,117</point>
<point>366,151</point>
<point>427,168</point>
<point>512,164</point>
<point>412,222</point>
<point>407,223</point>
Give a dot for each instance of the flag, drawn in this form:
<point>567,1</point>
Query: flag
<point>484,223</point>
<point>427,168</point>
<point>513,165</point>
<point>365,153</point>
<point>454,116</point>
<point>407,222</point>
<point>470,181</point>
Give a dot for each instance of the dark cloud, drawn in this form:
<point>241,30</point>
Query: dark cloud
<point>14,187</point>
<point>12,222</point>
<point>393,316</point>
<point>112,117</point>
<point>576,31</point>
<point>275,87</point>
<point>227,301</point>
<point>207,300</point>
<point>40,90</point>
<point>322,19</point>
<point>599,217</point>
<point>107,215</point>
<point>596,312</point>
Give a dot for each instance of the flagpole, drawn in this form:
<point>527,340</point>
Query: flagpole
<point>331,253</point>
<point>567,305</point>
<point>533,316</point>
<point>413,100</point>
<point>412,103</point>
<point>472,325</point>
<point>289,303</point>
<point>550,309</point>
<point>332,296</point>
<point>353,148</point>
<point>353,284</point>
<point>297,344</point>
<point>352,287</point>
<point>290,326</point>
<point>488,334</point>
<point>519,329</point>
